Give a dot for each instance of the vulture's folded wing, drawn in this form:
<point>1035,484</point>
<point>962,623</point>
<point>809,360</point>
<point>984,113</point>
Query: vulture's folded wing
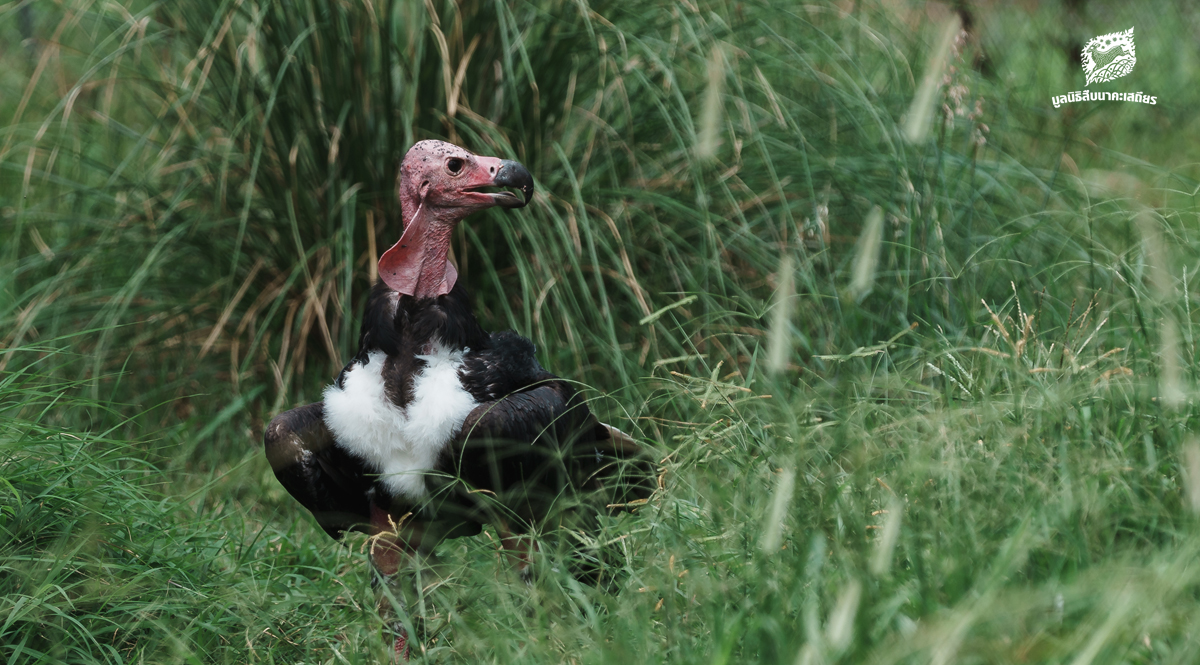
<point>534,451</point>
<point>325,479</point>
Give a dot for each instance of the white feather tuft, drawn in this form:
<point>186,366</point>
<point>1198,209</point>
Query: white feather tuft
<point>401,444</point>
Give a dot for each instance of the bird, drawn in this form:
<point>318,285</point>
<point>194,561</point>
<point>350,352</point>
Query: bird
<point>436,428</point>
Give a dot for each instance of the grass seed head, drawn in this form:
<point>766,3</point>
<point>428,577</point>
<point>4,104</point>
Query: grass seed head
<point>840,629</point>
<point>866,256</point>
<point>779,335</point>
<point>1191,467</point>
<point>773,529</point>
<point>920,113</point>
<point>710,113</point>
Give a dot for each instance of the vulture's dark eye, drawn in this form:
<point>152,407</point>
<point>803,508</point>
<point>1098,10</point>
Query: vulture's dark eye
<point>454,165</point>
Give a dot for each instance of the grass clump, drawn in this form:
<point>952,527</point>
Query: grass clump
<point>921,388</point>
<point>106,561</point>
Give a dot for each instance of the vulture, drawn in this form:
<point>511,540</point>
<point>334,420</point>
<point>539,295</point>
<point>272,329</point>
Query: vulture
<point>437,427</point>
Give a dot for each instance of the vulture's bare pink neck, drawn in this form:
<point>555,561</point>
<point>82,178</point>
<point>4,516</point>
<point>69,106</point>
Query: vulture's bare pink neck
<point>418,265</point>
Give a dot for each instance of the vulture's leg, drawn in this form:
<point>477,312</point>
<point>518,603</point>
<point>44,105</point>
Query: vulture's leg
<point>387,552</point>
<point>401,552</point>
<point>328,482</point>
<point>388,547</point>
<point>520,548</point>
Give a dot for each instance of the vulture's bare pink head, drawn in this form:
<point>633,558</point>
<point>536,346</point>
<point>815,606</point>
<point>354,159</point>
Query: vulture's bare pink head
<point>440,184</point>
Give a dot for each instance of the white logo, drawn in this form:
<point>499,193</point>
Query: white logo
<point>1105,58</point>
<point>1108,57</point>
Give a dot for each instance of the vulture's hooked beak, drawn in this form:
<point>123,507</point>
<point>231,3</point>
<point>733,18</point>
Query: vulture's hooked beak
<point>504,173</point>
<point>513,174</point>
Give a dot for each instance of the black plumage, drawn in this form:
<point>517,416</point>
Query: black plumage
<point>531,442</point>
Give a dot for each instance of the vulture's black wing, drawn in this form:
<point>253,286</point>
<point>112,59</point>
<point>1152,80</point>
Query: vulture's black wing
<point>531,454</point>
<point>327,480</point>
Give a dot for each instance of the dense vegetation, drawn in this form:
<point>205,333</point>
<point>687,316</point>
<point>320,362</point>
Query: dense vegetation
<point>918,359</point>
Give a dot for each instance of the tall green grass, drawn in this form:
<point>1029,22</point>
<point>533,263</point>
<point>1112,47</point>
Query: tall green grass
<point>107,559</point>
<point>915,400</point>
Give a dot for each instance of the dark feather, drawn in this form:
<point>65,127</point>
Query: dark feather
<point>504,366</point>
<point>323,477</point>
<point>531,447</point>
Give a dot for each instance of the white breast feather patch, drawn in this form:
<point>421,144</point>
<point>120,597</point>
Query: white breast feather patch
<point>400,443</point>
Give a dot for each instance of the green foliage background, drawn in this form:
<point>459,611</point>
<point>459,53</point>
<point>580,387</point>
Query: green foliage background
<point>969,445</point>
